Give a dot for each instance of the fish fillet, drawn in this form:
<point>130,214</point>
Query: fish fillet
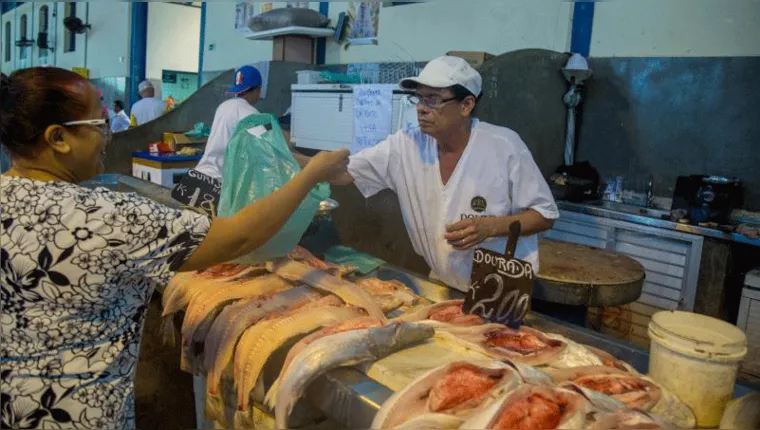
<point>295,351</point>
<point>447,312</point>
<point>395,288</point>
<point>257,345</point>
<point>454,389</point>
<point>526,345</point>
<point>339,350</point>
<point>634,391</point>
<point>207,305</point>
<point>350,293</point>
<point>533,407</point>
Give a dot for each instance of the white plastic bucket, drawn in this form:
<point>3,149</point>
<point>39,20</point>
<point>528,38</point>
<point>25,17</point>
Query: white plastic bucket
<point>696,357</point>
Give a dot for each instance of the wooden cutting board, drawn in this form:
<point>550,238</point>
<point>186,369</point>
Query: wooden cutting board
<point>401,368</point>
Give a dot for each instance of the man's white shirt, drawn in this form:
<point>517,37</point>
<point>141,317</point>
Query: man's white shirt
<point>496,176</point>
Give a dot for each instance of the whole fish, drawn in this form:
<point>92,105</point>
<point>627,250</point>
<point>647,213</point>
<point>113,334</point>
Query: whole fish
<point>295,351</point>
<point>219,345</point>
<point>205,307</point>
<point>348,292</point>
<point>339,350</point>
<point>259,342</point>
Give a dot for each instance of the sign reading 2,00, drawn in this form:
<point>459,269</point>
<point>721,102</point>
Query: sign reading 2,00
<point>500,288</point>
<point>497,304</point>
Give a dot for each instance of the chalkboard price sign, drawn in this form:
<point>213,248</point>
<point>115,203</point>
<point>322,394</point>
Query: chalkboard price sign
<point>501,285</point>
<point>198,190</point>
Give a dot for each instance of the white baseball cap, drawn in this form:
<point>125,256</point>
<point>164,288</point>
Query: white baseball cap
<point>145,85</point>
<point>444,72</point>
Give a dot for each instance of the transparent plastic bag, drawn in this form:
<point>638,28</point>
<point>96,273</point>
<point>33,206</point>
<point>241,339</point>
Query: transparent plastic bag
<point>256,163</point>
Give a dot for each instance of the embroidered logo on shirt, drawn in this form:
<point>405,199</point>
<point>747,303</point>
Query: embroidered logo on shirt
<point>479,204</point>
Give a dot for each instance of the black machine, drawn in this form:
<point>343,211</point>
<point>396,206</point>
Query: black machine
<point>708,198</point>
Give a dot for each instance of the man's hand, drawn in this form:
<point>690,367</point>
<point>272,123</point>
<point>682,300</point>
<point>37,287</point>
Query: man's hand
<point>467,233</point>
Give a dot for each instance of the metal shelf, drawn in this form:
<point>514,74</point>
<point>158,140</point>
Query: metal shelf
<point>292,31</point>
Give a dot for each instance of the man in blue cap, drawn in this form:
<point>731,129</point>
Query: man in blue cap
<point>247,90</point>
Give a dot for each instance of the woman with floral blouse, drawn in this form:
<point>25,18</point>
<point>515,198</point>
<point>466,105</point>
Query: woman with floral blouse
<point>78,266</point>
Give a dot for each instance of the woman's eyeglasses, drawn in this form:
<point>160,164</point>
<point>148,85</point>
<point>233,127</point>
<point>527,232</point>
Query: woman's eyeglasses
<point>102,124</point>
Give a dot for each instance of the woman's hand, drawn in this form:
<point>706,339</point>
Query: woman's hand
<point>327,165</point>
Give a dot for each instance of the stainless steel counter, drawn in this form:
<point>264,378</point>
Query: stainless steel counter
<point>649,217</point>
<point>350,398</point>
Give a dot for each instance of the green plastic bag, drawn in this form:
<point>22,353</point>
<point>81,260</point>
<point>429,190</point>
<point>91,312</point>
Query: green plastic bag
<point>256,163</point>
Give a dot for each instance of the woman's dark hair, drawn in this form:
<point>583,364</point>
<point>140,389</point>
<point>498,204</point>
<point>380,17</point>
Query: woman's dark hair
<point>461,93</point>
<point>119,104</point>
<point>33,99</point>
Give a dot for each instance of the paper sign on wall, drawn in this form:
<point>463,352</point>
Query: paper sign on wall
<point>373,109</point>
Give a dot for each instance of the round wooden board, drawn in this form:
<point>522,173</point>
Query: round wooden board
<point>575,274</point>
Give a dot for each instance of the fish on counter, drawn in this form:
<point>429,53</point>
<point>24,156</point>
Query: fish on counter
<point>323,281</point>
<point>525,345</point>
<point>629,419</point>
<point>259,342</point>
<point>446,395</point>
<point>219,345</point>
<point>533,407</point>
<point>339,350</point>
<point>206,306</point>
<point>296,350</point>
<point>634,391</point>
<point>185,286</point>
<point>391,289</point>
<point>447,312</point>
<point>302,255</point>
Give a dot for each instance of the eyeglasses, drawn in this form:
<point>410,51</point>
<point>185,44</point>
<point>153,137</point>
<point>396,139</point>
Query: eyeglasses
<point>433,102</point>
<point>102,124</point>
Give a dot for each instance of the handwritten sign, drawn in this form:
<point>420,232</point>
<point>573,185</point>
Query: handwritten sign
<point>373,107</point>
<point>198,190</point>
<point>501,285</point>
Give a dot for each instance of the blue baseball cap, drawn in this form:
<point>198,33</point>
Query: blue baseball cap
<point>246,78</point>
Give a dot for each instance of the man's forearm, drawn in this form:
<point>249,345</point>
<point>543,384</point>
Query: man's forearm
<point>531,222</point>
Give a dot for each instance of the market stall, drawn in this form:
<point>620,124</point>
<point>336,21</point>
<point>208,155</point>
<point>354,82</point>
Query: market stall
<point>355,384</point>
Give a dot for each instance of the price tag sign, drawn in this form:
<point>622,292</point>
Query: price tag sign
<point>198,190</point>
<point>501,285</point>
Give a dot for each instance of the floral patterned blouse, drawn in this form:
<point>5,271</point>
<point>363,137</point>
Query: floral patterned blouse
<point>77,268</point>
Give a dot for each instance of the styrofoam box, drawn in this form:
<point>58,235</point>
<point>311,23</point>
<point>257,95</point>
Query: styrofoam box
<point>749,321</point>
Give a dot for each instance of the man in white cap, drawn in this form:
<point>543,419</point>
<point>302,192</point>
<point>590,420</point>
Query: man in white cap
<point>149,107</point>
<point>461,182</point>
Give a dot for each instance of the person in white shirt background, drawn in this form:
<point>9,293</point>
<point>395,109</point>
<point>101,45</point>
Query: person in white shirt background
<point>120,120</point>
<point>247,90</point>
<point>461,182</point>
<point>149,107</point>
